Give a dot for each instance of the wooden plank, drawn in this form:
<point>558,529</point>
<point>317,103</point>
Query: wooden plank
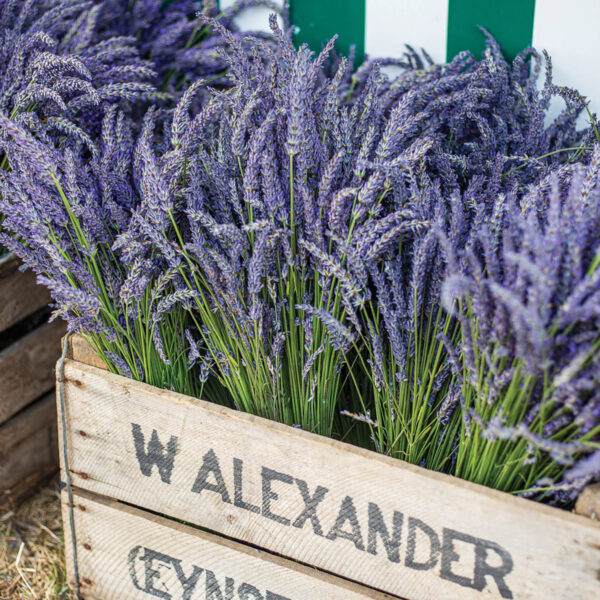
<point>124,552</point>
<point>27,368</point>
<point>28,451</point>
<point>322,502</point>
<point>20,296</point>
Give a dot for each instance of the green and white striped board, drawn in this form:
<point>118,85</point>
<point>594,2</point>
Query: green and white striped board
<point>255,18</point>
<point>570,31</point>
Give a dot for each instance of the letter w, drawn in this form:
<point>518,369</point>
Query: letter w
<point>154,454</point>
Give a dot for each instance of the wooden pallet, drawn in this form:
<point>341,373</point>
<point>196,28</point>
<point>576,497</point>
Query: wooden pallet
<point>20,296</point>
<point>286,514</point>
<point>28,453</point>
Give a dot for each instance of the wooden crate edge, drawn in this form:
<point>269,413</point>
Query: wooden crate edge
<point>96,388</point>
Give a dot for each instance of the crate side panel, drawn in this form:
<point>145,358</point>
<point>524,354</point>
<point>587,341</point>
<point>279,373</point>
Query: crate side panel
<point>124,552</point>
<point>375,520</point>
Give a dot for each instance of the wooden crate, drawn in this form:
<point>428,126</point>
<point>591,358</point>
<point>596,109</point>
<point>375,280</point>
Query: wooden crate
<point>28,453</point>
<point>290,515</point>
<point>19,294</point>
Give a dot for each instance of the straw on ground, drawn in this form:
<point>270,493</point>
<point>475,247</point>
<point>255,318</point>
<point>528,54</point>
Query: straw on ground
<point>31,550</point>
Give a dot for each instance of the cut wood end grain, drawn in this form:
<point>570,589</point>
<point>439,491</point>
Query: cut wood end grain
<point>588,503</point>
<point>80,350</point>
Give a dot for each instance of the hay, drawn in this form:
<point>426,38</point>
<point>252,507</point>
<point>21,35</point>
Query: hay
<point>31,550</point>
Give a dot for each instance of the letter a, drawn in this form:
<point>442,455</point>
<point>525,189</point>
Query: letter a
<point>210,464</point>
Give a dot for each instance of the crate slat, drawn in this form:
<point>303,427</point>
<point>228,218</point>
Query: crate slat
<point>20,296</point>
<point>127,553</point>
<point>28,451</point>
<point>376,520</point>
<point>27,368</point>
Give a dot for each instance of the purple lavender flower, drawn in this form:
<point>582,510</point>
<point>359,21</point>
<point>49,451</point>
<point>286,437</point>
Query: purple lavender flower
<point>531,319</point>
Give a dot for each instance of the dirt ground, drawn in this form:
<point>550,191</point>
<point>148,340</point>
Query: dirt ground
<point>31,550</point>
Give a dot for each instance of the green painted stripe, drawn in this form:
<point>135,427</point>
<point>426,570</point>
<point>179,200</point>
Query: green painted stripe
<point>319,20</point>
<point>509,21</point>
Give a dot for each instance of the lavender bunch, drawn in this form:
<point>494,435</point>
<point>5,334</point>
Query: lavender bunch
<point>175,36</point>
<point>255,206</point>
<point>481,115</point>
<point>72,96</point>
<point>64,209</point>
<point>528,293</point>
<point>483,111</point>
<point>410,399</point>
<point>55,73</point>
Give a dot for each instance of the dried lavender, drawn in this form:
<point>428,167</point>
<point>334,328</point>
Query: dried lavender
<point>275,198</point>
<point>530,289</point>
<point>480,112</point>
<point>64,210</point>
<point>175,37</point>
<point>54,68</point>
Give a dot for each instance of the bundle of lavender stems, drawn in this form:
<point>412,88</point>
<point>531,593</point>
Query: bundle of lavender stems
<point>408,262</point>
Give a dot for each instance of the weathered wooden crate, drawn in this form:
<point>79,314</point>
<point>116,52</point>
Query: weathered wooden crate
<point>180,498</point>
<point>28,351</point>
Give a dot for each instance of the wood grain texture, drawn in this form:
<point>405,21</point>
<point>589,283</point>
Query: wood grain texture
<point>27,368</point>
<point>28,451</point>
<point>125,553</point>
<point>20,296</point>
<point>258,481</point>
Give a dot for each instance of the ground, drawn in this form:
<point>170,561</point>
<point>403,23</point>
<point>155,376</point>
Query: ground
<point>31,550</point>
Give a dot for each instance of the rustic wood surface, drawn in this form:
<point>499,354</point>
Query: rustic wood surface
<point>322,502</point>
<point>125,553</point>
<point>20,296</point>
<point>28,451</point>
<point>27,368</point>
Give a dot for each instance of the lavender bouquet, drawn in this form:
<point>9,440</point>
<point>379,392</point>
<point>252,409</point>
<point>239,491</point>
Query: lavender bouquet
<point>414,403</point>
<point>530,345</point>
<point>254,207</point>
<point>71,95</point>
